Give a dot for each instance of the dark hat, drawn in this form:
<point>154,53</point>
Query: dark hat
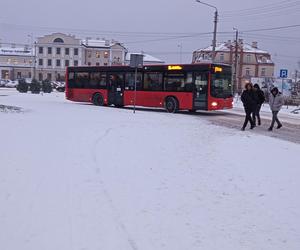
<point>256,86</point>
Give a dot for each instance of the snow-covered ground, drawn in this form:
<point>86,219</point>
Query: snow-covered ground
<point>80,177</point>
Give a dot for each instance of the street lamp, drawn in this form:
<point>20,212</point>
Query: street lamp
<point>215,28</point>
<point>235,76</point>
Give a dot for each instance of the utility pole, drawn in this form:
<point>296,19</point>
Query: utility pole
<point>214,42</point>
<point>34,61</point>
<point>180,52</point>
<point>235,75</point>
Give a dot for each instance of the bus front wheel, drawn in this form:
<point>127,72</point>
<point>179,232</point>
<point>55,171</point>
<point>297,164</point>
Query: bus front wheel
<point>171,104</point>
<point>98,99</point>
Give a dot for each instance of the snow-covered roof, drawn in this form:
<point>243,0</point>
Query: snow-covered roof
<point>225,46</point>
<point>98,43</point>
<point>7,51</point>
<point>147,58</point>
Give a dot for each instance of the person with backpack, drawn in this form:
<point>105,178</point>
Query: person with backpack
<point>249,102</point>
<point>260,97</point>
<point>275,101</point>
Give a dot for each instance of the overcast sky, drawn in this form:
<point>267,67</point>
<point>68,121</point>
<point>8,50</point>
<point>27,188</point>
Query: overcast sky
<point>159,27</point>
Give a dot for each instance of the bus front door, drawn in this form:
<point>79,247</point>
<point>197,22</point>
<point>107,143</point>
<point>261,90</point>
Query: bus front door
<point>116,89</point>
<point>200,92</point>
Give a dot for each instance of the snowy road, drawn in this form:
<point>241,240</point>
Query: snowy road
<point>79,177</point>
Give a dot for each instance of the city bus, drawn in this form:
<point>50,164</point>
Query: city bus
<point>172,87</point>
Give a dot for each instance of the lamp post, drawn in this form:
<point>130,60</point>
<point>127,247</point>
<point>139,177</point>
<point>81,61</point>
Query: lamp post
<point>235,76</point>
<point>214,42</point>
<point>180,52</point>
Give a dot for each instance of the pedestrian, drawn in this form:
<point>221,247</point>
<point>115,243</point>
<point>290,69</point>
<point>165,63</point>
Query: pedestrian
<point>276,101</point>
<point>260,96</point>
<point>249,102</point>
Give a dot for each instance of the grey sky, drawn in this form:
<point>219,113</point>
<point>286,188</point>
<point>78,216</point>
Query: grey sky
<point>95,18</point>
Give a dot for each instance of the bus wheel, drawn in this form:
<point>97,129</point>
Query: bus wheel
<point>98,99</point>
<point>171,104</point>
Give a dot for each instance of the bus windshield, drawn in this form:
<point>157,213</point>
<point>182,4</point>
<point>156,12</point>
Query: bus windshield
<point>221,86</point>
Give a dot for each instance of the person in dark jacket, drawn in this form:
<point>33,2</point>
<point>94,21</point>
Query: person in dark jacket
<point>276,101</point>
<point>249,102</point>
<point>260,98</point>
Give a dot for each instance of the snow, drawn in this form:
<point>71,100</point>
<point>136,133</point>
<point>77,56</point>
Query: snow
<point>147,58</point>
<point>225,47</point>
<point>77,176</point>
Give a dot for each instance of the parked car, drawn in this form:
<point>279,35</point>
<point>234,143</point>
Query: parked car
<point>3,82</point>
<point>60,86</point>
<point>11,84</point>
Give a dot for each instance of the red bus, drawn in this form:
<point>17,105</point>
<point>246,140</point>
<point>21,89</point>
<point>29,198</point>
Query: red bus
<point>173,87</point>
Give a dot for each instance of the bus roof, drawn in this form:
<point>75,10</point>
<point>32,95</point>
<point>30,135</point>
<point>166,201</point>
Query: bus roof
<point>159,67</point>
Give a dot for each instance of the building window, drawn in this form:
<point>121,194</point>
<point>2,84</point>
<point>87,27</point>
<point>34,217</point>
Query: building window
<point>19,75</point>
<point>57,51</point>
<point>40,62</point>
<point>49,76</point>
<point>41,50</point>
<point>29,74</point>
<point>58,40</point>
<point>49,62</point>
<point>222,57</point>
<point>248,58</point>
<point>49,50</point>
<point>75,63</point>
<point>89,54</point>
<point>97,64</point>
<point>263,72</point>
<point>67,51</point>
<point>247,71</point>
<point>40,77</point>
<point>76,52</point>
<point>97,54</point>
<point>106,54</point>
<point>57,63</point>
<point>67,63</point>
<point>89,64</point>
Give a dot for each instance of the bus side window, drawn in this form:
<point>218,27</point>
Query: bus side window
<point>94,80</point>
<point>129,81</point>
<point>71,79</point>
<point>188,86</point>
<point>153,81</point>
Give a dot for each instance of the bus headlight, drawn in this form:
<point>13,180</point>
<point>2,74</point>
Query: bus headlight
<point>214,104</point>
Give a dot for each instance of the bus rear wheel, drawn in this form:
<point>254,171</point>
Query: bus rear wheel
<point>98,99</point>
<point>171,104</point>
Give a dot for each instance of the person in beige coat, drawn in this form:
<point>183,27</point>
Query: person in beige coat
<point>275,101</point>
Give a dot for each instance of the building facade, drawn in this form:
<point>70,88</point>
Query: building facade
<point>54,53</point>
<point>251,61</point>
<point>101,52</point>
<point>16,62</point>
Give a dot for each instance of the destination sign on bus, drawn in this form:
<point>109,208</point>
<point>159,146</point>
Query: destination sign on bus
<point>174,67</point>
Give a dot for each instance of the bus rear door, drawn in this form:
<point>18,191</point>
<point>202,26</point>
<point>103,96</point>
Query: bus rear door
<point>116,89</point>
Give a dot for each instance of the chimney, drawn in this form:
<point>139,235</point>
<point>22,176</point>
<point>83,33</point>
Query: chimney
<point>254,45</point>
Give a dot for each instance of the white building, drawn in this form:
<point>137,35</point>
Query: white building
<point>101,52</point>
<point>16,62</point>
<point>54,53</point>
